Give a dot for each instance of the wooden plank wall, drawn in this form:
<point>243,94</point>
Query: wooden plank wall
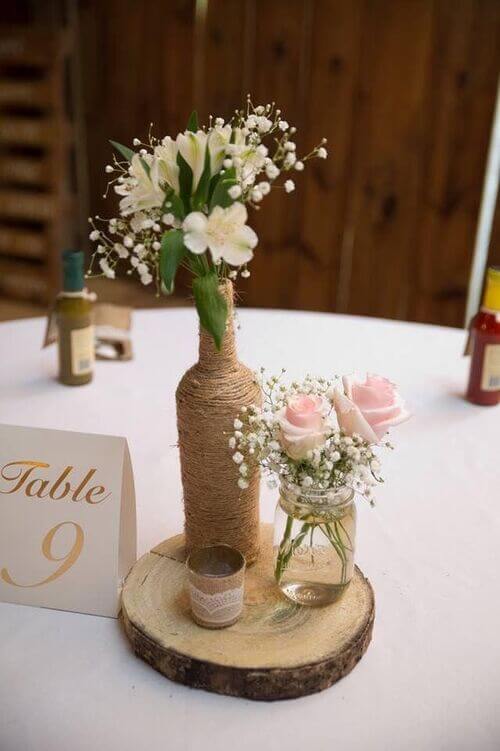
<point>404,90</point>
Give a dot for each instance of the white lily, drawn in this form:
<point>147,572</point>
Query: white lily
<point>165,166</point>
<point>139,192</point>
<point>217,145</point>
<point>192,148</point>
<point>224,232</point>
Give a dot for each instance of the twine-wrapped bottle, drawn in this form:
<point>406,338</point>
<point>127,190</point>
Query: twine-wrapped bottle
<point>209,396</point>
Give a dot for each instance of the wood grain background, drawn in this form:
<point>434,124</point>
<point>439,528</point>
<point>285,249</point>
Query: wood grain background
<point>404,90</point>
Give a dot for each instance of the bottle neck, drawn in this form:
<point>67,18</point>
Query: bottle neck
<point>210,358</point>
<point>73,276</point>
<point>491,299</point>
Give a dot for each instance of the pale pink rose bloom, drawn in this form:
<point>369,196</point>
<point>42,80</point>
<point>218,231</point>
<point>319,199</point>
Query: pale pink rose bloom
<point>369,407</point>
<point>303,424</point>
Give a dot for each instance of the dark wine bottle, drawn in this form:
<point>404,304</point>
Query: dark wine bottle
<point>75,323</point>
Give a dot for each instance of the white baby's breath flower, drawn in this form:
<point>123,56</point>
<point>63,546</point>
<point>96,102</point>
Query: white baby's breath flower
<point>238,457</point>
<point>94,235</point>
<point>242,483</point>
<point>146,278</point>
<point>299,166</point>
<point>237,424</point>
<point>272,171</point>
<point>283,125</point>
<point>121,250</point>
<point>322,152</point>
<point>232,442</point>
<point>264,188</point>
<point>289,186</point>
<point>234,191</point>
<point>106,269</point>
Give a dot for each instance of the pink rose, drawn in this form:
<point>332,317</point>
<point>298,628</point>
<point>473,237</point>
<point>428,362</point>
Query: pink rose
<point>369,408</point>
<point>303,424</point>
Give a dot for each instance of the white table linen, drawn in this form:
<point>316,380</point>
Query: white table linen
<point>431,548</point>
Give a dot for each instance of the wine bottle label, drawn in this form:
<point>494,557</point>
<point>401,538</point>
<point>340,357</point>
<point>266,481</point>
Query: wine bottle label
<point>490,380</point>
<point>82,350</point>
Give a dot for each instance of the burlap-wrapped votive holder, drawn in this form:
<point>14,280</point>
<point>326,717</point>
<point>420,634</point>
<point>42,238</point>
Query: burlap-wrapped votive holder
<point>216,583</point>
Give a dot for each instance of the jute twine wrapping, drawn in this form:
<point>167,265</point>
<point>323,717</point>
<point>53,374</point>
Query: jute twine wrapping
<point>209,396</point>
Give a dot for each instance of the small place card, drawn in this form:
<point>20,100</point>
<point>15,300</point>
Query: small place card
<point>67,519</point>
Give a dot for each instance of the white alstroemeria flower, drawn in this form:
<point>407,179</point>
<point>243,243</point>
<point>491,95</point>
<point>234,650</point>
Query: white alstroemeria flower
<point>165,167</point>
<point>139,193</point>
<point>224,232</point>
<point>192,148</point>
<point>217,145</point>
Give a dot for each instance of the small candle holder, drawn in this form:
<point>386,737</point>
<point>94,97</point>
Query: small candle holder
<point>216,582</point>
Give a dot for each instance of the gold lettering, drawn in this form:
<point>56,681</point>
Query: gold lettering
<point>68,560</point>
<point>98,490</point>
<point>58,482</point>
<point>21,476</point>
<point>81,486</point>
<point>31,491</point>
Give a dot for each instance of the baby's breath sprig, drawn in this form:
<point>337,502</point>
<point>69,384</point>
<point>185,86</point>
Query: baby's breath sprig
<point>340,460</point>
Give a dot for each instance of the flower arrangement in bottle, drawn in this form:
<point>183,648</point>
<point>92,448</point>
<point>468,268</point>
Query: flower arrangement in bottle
<point>183,202</point>
<point>319,440</point>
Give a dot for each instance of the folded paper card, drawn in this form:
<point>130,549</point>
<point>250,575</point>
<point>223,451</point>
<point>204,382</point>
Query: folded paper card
<point>67,519</point>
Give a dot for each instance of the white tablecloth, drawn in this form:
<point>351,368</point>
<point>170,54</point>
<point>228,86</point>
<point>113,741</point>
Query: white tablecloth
<point>431,548</point>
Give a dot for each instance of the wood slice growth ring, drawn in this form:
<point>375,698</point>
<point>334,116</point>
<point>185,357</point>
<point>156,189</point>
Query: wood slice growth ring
<point>277,650</point>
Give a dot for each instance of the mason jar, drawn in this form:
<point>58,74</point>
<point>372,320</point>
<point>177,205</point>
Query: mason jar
<point>314,543</point>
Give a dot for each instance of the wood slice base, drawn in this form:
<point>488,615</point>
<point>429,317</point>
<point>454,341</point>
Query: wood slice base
<point>277,650</point>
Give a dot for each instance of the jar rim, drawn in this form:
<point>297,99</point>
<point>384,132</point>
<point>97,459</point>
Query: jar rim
<point>324,496</point>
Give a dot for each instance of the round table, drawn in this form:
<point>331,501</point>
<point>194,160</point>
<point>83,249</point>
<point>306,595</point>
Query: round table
<point>430,679</point>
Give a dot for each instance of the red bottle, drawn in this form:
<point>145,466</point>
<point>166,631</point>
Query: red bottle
<point>484,378</point>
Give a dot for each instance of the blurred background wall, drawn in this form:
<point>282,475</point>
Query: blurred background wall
<point>404,90</point>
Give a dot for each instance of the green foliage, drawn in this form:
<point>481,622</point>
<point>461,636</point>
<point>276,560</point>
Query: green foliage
<point>201,195</point>
<point>185,182</point>
<point>193,122</point>
<point>211,305</point>
<point>128,154</point>
<point>172,252</point>
<point>123,150</point>
<point>220,195</point>
<point>176,205</point>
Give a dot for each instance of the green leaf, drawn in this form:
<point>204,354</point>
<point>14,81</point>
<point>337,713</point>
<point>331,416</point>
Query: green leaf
<point>220,195</point>
<point>128,154</point>
<point>123,150</point>
<point>185,182</point>
<point>211,306</point>
<point>201,195</point>
<point>193,122</point>
<point>172,252</point>
<point>176,206</point>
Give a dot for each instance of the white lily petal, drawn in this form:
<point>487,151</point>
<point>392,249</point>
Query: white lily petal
<point>192,147</point>
<point>195,232</point>
<point>217,143</point>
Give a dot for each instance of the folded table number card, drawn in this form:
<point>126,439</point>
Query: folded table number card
<point>67,519</point>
